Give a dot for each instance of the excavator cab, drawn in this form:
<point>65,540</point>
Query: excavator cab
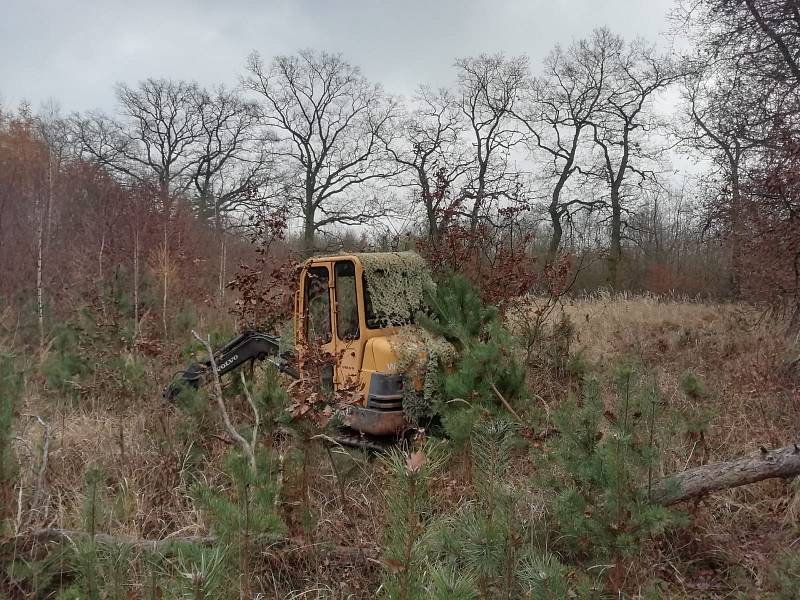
<point>348,309</point>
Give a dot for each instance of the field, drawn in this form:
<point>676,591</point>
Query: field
<point>725,370</point>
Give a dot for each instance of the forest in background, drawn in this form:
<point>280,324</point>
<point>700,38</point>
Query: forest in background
<point>552,185</point>
<point>576,154</point>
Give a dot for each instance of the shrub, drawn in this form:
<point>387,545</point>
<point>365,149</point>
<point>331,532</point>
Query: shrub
<point>602,462</point>
<point>65,365</point>
<point>408,502</point>
<point>486,363</point>
<point>481,540</point>
<point>243,513</point>
<point>11,386</point>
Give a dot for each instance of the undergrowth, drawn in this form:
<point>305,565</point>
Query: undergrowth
<point>547,500</point>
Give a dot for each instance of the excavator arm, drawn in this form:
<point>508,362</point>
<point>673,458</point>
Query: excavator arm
<point>246,347</point>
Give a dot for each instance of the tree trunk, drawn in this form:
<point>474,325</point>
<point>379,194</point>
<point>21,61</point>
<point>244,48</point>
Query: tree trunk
<point>557,233</point>
<point>615,251</point>
<point>136,281</point>
<point>308,232</point>
<point>736,231</point>
<point>698,481</point>
<point>223,259</point>
<point>40,272</point>
<point>430,209</point>
<point>165,267</point>
<point>100,286</point>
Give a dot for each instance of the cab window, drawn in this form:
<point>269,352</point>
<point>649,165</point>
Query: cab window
<point>318,306</point>
<point>346,300</point>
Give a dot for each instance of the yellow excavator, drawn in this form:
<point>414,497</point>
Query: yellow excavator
<point>351,308</point>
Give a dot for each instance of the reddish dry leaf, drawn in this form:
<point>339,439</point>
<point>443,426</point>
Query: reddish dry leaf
<point>416,461</point>
<point>395,566</point>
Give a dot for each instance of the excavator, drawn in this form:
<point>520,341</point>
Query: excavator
<point>351,308</point>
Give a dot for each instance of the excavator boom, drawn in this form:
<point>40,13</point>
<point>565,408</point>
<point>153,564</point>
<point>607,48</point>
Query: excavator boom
<point>245,347</point>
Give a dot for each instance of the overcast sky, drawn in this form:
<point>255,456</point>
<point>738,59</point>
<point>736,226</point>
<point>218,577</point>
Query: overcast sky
<point>74,51</point>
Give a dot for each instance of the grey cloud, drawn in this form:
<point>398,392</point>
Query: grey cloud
<point>76,50</point>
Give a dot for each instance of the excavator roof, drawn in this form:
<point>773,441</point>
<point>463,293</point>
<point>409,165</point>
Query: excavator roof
<point>378,260</point>
<point>394,283</point>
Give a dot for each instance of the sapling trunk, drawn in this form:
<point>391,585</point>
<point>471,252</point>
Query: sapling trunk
<point>165,267</point>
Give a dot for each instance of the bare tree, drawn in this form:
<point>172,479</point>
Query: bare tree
<point>622,123</point>
<point>557,112</point>
<point>432,149</point>
<point>231,171</point>
<point>744,108</point>
<point>232,155</point>
<point>53,130</point>
<point>489,87</point>
<point>332,125</point>
<point>758,39</point>
<point>729,127</point>
<point>155,142</point>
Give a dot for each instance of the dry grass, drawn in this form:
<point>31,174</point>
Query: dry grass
<point>751,399</point>
<point>738,352</point>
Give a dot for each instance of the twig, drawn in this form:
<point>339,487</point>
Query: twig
<point>248,451</point>
<point>255,412</point>
<point>506,404</point>
<point>43,464</point>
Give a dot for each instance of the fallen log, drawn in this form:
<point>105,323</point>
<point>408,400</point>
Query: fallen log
<point>699,481</point>
<point>54,535</point>
<point>42,538</point>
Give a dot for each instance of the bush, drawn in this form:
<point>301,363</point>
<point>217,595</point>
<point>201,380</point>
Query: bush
<point>602,462</point>
<point>408,502</point>
<point>487,362</point>
<point>65,365</point>
<point>11,386</point>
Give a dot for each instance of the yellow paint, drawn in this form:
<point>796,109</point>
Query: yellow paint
<point>357,358</point>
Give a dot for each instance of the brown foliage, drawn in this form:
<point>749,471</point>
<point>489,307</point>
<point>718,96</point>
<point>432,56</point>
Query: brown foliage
<point>766,229</point>
<point>498,263</point>
<point>266,287</point>
<point>98,235</point>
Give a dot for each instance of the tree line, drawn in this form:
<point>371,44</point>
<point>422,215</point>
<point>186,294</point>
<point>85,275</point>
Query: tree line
<point>511,163</point>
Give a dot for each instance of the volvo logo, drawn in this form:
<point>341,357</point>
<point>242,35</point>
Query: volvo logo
<point>228,362</point>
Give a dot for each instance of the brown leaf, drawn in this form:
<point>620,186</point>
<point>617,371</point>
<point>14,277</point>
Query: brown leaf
<point>416,461</point>
<point>395,566</point>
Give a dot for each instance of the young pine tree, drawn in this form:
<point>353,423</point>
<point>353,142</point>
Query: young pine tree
<point>601,462</point>
<point>408,502</point>
<point>11,385</point>
<point>243,514</point>
<point>481,541</point>
<point>487,365</point>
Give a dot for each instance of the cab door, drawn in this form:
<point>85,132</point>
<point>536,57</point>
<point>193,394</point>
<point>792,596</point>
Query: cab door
<point>317,334</point>
<point>347,325</point>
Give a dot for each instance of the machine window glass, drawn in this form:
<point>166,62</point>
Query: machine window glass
<point>318,306</point>
<point>346,301</point>
<point>377,318</point>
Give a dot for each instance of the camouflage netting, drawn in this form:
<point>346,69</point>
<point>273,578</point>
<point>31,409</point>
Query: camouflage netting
<point>396,283</point>
<point>423,357</point>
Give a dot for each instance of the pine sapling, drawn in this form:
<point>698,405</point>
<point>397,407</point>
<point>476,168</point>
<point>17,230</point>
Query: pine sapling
<point>11,386</point>
<point>408,504</point>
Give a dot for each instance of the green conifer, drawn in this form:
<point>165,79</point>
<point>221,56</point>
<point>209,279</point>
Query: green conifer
<point>11,386</point>
<point>409,508</point>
